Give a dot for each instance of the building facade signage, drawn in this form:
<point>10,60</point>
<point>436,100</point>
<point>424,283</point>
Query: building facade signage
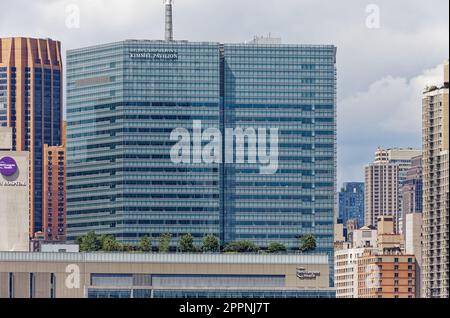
<point>303,274</point>
<point>151,54</point>
<point>13,184</point>
<point>8,166</point>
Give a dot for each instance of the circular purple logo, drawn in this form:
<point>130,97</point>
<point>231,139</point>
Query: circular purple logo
<point>8,166</point>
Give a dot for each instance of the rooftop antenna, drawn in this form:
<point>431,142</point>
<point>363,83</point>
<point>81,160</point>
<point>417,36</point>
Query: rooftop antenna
<point>169,23</point>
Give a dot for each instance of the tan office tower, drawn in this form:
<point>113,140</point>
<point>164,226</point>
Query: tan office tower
<point>384,178</point>
<point>404,157</point>
<point>435,138</point>
<point>31,104</point>
<point>401,156</point>
<point>381,192</point>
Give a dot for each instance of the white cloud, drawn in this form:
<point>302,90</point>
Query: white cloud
<point>387,114</point>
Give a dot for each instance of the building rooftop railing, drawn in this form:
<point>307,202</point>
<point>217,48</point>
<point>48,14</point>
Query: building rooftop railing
<point>100,257</point>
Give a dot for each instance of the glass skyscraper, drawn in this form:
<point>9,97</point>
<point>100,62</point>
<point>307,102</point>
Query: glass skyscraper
<point>351,203</point>
<point>292,88</point>
<point>123,101</point>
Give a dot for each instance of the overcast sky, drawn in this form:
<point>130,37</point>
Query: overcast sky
<point>381,71</point>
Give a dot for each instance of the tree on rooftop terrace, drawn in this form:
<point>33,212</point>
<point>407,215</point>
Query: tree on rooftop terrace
<point>241,247</point>
<point>276,247</point>
<point>145,245</point>
<point>210,244</point>
<point>308,243</point>
<point>186,244</point>
<point>90,242</point>
<point>164,242</point>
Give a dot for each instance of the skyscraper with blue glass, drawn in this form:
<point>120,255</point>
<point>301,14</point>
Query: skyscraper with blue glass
<point>292,88</point>
<point>351,203</point>
<point>124,100</point>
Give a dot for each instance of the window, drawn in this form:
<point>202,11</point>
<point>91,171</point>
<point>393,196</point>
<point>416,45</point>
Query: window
<point>120,280</point>
<point>31,285</point>
<point>11,285</point>
<point>52,285</point>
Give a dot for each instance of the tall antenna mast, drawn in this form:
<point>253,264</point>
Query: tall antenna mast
<point>169,23</point>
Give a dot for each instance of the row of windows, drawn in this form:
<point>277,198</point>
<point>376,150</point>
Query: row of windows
<point>13,284</point>
<point>174,293</point>
<point>191,196</point>
<point>169,144</point>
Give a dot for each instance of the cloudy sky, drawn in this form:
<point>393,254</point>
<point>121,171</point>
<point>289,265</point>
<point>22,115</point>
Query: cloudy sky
<point>381,70</point>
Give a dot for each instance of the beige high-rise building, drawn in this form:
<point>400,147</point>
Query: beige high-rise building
<point>435,139</point>
<point>401,156</point>
<point>383,180</point>
<point>381,191</point>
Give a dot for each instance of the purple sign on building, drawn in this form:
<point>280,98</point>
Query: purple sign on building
<point>8,166</point>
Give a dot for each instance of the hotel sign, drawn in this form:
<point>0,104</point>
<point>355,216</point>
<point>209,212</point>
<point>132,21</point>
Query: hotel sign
<point>154,55</point>
<point>303,274</point>
<point>8,166</point>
